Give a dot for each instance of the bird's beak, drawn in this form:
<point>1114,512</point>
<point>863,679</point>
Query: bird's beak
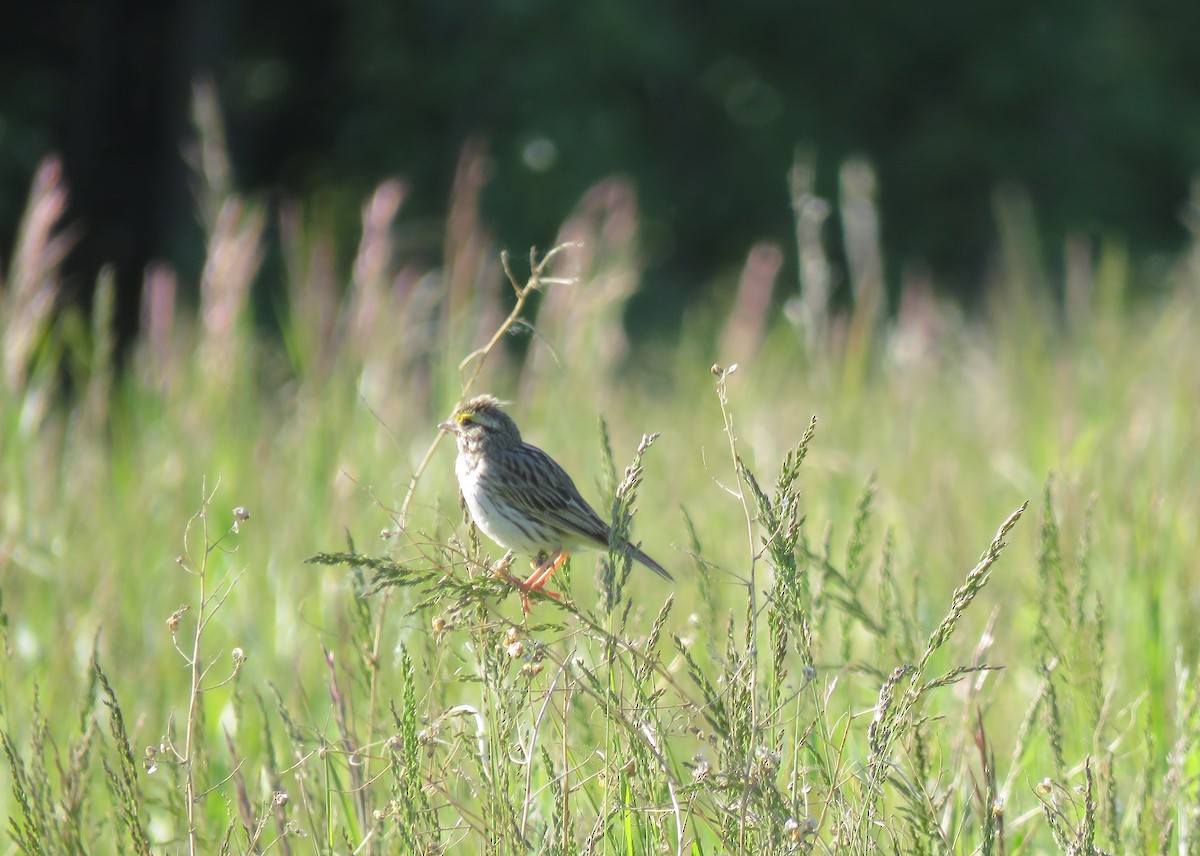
<point>448,426</point>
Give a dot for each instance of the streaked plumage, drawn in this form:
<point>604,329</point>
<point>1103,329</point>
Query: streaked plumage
<point>520,497</point>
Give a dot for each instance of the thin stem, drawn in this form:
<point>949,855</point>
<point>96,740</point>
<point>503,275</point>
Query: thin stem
<point>479,356</point>
<point>751,582</point>
<point>194,697</point>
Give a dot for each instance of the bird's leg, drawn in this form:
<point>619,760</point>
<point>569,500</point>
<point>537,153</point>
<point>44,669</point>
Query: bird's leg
<point>542,571</point>
<point>500,570</point>
<point>543,566</point>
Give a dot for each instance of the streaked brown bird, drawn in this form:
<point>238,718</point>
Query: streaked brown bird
<point>521,498</point>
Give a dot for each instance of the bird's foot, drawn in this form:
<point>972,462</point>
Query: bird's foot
<point>543,567</point>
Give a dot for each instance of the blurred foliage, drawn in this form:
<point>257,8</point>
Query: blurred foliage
<point>1091,107</point>
<point>833,672</point>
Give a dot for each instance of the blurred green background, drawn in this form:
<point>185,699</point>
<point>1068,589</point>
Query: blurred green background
<point>346,177</point>
<point>1092,107</point>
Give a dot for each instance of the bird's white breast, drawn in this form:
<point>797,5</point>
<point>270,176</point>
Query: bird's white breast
<point>495,524</point>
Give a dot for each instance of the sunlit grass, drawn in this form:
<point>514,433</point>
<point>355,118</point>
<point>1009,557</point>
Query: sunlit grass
<point>829,674</point>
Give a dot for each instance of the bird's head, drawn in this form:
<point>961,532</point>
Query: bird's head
<point>482,420</point>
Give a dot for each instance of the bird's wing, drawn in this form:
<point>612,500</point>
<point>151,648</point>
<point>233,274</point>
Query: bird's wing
<point>554,499</point>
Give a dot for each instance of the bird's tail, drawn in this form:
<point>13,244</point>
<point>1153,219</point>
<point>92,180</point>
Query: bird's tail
<point>650,563</point>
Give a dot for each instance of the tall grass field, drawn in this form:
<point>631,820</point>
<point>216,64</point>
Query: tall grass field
<point>938,573</point>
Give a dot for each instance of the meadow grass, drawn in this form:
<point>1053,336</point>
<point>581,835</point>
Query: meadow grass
<point>936,575</point>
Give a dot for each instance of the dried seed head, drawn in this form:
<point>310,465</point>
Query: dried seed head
<point>174,619</point>
<point>798,830</point>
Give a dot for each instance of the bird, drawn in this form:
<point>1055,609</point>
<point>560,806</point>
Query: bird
<point>522,499</point>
